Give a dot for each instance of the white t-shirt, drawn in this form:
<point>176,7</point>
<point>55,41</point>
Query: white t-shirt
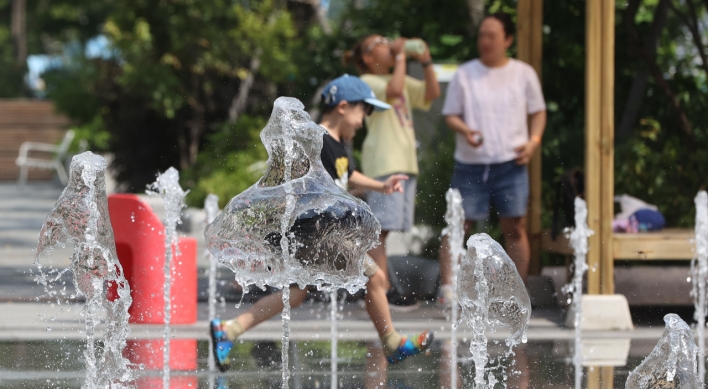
<point>495,102</point>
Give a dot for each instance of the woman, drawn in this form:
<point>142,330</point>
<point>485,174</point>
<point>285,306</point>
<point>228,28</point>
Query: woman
<point>496,107</point>
<point>390,145</point>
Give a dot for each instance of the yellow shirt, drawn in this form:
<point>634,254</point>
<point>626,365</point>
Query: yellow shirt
<point>389,146</point>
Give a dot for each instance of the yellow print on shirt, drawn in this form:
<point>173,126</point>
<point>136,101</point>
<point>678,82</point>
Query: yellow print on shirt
<point>342,166</point>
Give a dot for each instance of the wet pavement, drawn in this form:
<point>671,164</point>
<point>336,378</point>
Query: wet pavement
<point>41,338</point>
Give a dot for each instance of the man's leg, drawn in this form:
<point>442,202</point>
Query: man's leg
<point>517,243</point>
<point>445,258</point>
<point>378,254</point>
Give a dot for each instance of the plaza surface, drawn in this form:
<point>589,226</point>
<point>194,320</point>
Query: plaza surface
<point>31,323</point>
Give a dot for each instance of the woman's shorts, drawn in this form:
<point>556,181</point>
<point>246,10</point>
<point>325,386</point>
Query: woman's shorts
<point>394,211</point>
<point>506,185</point>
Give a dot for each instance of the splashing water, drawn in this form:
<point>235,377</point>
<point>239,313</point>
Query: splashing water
<point>80,216</point>
<point>455,230</point>
<point>295,225</point>
<point>672,363</point>
<point>699,275</point>
<point>167,187</point>
<point>492,295</point>
<point>211,207</point>
<point>333,336</point>
<point>578,237</point>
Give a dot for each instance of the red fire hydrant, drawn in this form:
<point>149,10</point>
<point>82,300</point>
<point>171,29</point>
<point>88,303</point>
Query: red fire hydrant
<point>140,245</point>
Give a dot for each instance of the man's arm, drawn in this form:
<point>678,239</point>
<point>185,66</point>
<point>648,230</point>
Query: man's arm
<point>537,124</point>
<point>458,125</point>
<point>392,184</point>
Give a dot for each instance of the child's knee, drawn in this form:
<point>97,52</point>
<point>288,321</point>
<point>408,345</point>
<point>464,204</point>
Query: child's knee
<point>377,281</point>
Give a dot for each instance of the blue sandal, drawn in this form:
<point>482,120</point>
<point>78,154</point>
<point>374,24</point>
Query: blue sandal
<point>411,345</point>
<point>220,345</point>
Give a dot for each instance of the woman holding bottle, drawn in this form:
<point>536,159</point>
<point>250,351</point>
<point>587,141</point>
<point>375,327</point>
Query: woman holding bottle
<point>390,145</point>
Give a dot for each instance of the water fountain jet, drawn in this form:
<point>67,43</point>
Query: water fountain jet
<point>578,237</point>
<point>295,225</point>
<point>80,216</point>
<point>167,187</point>
<point>492,296</point>
<point>699,276</point>
<point>455,230</point>
<point>672,363</point>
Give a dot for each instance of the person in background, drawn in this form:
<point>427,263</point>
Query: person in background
<point>347,101</point>
<point>495,106</point>
<point>390,145</point>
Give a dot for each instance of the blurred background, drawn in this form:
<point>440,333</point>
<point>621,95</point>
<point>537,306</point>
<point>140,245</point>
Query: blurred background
<point>190,84</point>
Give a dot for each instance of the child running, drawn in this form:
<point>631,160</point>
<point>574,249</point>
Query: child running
<point>347,101</point>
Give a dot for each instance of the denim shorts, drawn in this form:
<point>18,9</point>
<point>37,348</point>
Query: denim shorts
<point>394,211</point>
<point>505,185</point>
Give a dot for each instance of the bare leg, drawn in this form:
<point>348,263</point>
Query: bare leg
<point>521,377</point>
<point>376,365</point>
<point>517,243</point>
<point>377,304</point>
<point>445,259</point>
<point>269,306</point>
<point>378,254</point>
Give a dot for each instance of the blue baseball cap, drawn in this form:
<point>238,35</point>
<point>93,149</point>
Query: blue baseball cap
<point>351,88</point>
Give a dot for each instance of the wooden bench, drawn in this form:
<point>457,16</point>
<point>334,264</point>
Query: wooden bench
<point>22,121</point>
<point>667,244</point>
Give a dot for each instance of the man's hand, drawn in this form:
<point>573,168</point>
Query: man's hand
<point>474,138</point>
<point>394,183</point>
<point>525,152</point>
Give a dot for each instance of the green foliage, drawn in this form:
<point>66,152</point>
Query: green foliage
<point>181,52</point>
<point>234,162</point>
<point>11,84</point>
<point>563,82</point>
<point>436,165</point>
<point>163,99</point>
<point>444,25</point>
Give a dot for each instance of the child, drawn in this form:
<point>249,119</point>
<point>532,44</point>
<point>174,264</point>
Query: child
<point>390,144</point>
<point>347,101</point>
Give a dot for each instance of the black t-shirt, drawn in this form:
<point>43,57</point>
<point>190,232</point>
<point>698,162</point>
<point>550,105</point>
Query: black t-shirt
<point>336,160</point>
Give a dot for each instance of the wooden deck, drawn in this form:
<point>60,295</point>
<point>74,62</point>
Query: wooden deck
<point>27,120</point>
<point>668,244</point>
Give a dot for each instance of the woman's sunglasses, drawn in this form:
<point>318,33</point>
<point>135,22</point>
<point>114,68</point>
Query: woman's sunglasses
<point>377,41</point>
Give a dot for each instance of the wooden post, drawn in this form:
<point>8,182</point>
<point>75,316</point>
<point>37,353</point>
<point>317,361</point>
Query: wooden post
<point>600,377</point>
<point>593,111</point>
<point>599,142</point>
<point>530,50</point>
<point>19,31</point>
<point>607,194</point>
